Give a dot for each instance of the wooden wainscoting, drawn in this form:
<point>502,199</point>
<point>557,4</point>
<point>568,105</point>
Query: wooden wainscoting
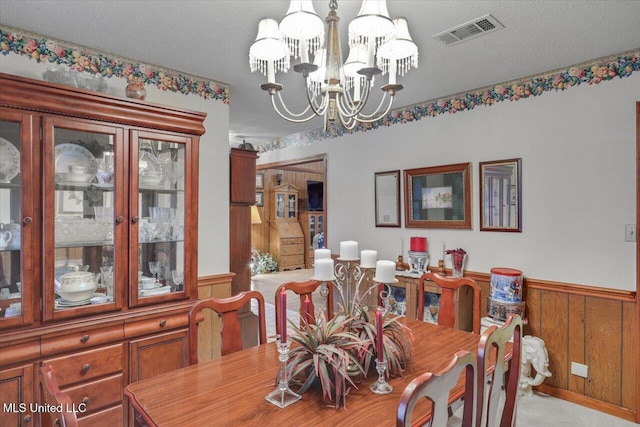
<point>588,325</point>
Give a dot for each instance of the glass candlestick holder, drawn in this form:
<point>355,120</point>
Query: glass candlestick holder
<point>381,386</point>
<point>282,395</point>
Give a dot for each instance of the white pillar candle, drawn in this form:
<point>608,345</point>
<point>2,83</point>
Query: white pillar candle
<point>385,272</point>
<point>323,270</point>
<point>349,250</point>
<point>368,259</point>
<point>321,254</point>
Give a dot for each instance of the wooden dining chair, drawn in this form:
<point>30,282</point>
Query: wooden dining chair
<point>447,309</point>
<point>304,290</point>
<point>498,370</point>
<point>52,395</point>
<point>227,308</point>
<point>436,388</point>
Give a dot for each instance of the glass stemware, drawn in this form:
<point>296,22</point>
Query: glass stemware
<point>153,268</point>
<point>178,278</point>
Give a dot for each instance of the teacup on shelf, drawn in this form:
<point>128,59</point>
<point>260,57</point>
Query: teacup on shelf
<point>104,177</point>
<point>77,169</point>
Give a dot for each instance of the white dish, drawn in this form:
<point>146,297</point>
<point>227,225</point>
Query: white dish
<point>74,177</point>
<point>100,299</point>
<point>73,154</point>
<point>156,291</point>
<point>9,161</point>
<point>61,302</point>
<point>150,180</point>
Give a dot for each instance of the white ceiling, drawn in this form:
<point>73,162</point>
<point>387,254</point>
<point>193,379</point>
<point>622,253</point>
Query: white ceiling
<point>212,38</point>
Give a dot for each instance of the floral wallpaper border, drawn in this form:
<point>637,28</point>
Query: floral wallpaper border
<point>593,72</point>
<point>80,58</point>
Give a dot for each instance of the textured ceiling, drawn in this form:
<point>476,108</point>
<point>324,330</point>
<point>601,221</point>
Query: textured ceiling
<point>212,38</point>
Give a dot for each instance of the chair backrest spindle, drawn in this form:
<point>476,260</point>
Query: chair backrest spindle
<point>436,387</point>
<point>447,309</point>
<point>231,333</point>
<point>498,369</point>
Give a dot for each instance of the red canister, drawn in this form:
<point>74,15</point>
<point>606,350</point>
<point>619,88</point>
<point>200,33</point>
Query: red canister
<point>418,244</point>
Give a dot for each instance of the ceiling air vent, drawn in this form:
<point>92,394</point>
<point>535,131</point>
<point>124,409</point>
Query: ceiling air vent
<point>478,27</point>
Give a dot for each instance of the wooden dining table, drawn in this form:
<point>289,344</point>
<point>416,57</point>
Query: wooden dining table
<point>231,390</point>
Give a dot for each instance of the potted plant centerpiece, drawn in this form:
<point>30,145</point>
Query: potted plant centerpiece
<point>337,353</point>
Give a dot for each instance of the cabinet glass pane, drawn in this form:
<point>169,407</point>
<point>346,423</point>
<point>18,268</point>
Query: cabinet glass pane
<point>84,217</point>
<point>10,220</point>
<point>161,207</point>
<point>292,206</point>
<point>280,206</point>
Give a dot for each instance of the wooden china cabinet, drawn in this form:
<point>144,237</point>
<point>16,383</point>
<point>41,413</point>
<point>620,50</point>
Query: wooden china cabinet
<point>286,240</point>
<point>107,185</point>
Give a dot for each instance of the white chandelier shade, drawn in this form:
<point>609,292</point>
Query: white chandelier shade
<point>268,54</point>
<point>335,90</point>
<point>400,54</point>
<point>302,29</point>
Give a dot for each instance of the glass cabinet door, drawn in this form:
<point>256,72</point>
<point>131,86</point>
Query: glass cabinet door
<point>80,218</point>
<point>15,222</point>
<point>160,218</point>
<point>279,206</point>
<point>292,206</point>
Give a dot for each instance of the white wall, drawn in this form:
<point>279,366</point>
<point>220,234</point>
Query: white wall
<point>578,150</point>
<point>213,229</point>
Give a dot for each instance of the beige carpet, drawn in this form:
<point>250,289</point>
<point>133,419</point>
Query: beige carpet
<point>538,410</point>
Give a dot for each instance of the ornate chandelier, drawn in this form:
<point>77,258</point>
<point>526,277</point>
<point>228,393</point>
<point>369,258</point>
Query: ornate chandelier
<point>335,90</point>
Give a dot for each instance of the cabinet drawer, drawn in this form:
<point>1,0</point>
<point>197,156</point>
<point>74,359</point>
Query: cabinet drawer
<point>291,260</point>
<point>21,352</point>
<point>157,324</point>
<point>107,418</point>
<point>87,364</point>
<point>293,241</point>
<point>291,249</point>
<point>97,394</point>
<point>79,340</point>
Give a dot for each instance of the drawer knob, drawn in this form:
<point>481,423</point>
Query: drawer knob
<point>27,419</point>
<point>27,220</point>
<point>163,323</point>
<point>84,339</point>
<point>86,400</point>
<point>86,368</point>
<point>135,219</point>
<point>119,219</point>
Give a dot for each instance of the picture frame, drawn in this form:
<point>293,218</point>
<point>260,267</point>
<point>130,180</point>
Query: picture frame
<point>501,195</point>
<point>387,198</point>
<point>438,197</point>
<point>259,180</point>
<point>259,198</point>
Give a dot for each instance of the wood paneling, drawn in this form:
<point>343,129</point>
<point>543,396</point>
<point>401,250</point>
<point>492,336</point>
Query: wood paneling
<point>554,333</point>
<point>604,338</point>
<point>576,342</point>
<point>629,358</point>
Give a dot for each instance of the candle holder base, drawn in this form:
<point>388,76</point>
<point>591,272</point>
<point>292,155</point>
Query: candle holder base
<point>381,386</point>
<point>282,396</point>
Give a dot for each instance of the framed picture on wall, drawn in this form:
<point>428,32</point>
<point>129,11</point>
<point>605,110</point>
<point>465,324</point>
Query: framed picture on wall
<point>387,198</point>
<point>259,180</point>
<point>500,195</point>
<point>259,198</point>
<point>438,197</point>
